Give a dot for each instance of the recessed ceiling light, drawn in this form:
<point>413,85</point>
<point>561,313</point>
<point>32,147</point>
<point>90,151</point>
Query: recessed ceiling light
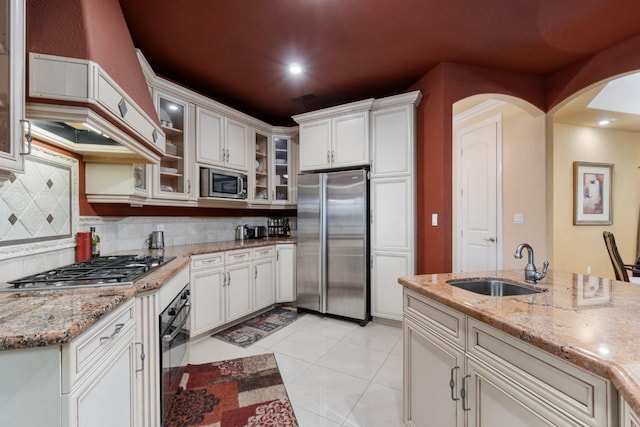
<point>605,122</point>
<point>295,68</point>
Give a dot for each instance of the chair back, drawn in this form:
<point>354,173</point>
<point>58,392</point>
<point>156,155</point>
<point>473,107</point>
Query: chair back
<point>614,255</point>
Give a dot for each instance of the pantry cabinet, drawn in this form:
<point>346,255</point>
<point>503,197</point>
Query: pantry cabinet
<point>471,374</point>
<point>336,137</point>
<point>392,200</point>
<point>12,85</point>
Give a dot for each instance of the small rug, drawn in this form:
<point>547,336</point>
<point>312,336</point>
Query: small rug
<point>233,393</point>
<point>253,330</point>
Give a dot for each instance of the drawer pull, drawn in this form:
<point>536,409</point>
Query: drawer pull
<point>452,383</point>
<point>116,331</point>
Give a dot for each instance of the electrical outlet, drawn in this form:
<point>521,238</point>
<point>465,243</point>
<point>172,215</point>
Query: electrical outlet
<point>293,224</point>
<point>518,218</point>
<point>159,227</point>
<point>434,219</point>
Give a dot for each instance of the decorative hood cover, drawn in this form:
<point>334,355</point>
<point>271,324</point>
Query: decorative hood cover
<point>81,56</point>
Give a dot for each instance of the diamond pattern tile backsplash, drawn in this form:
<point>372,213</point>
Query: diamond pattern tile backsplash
<point>36,205</point>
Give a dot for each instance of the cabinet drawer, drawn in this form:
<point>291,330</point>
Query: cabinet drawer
<point>264,252</point>
<point>571,390</point>
<point>208,260</point>
<point>440,319</point>
<point>234,257</point>
<point>94,344</point>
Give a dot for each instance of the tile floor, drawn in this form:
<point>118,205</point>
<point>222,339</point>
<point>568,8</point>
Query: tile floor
<point>337,373</point>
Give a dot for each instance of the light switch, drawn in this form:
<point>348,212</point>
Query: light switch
<point>518,218</point>
<point>434,219</point>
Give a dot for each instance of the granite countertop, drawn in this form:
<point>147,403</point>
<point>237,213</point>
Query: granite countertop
<point>51,317</point>
<point>587,320</point>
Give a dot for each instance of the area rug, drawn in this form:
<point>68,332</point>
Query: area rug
<point>233,393</point>
<point>253,330</point>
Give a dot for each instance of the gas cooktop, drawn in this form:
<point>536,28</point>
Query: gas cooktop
<point>100,271</point>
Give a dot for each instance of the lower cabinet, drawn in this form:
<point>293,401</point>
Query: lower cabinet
<point>285,273</point>
<point>264,273</point>
<point>459,371</point>
<point>98,373</point>
<point>628,418</point>
<point>227,286</point>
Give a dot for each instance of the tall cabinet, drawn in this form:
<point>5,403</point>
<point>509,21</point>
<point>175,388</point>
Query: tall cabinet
<point>392,201</point>
<point>12,78</point>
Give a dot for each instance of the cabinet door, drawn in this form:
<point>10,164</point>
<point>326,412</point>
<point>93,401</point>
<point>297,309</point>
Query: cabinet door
<point>282,170</point>
<point>628,418</point>
<point>491,401</point>
<point>386,293</point>
<point>12,78</point>
<point>392,222</point>
<point>315,145</point>
<point>262,168</point>
<point>237,141</point>
<point>286,273</point>
<point>238,291</point>
<point>433,371</point>
<point>350,140</point>
<point>263,283</point>
<point>107,398</point>
<point>209,137</point>
<point>207,302</point>
<point>172,174</point>
<point>392,142</point>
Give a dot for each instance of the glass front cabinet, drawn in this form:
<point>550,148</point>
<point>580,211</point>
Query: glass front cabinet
<point>12,78</point>
<point>282,169</point>
<point>262,168</point>
<point>171,176</point>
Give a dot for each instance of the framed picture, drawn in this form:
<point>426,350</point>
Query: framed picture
<point>592,193</point>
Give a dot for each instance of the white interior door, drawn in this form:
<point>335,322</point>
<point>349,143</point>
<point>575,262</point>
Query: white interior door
<point>478,210</point>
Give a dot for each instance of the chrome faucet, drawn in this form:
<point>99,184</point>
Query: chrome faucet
<point>531,274</point>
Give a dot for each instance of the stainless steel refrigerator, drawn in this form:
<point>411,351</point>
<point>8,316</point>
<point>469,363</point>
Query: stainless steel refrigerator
<point>333,244</point>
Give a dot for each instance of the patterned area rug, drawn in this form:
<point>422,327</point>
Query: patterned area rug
<point>253,330</point>
<point>233,393</point>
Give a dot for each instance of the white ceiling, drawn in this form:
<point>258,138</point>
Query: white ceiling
<point>617,99</point>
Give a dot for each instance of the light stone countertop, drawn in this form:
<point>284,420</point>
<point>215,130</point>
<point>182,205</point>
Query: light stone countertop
<point>52,317</point>
<point>589,321</point>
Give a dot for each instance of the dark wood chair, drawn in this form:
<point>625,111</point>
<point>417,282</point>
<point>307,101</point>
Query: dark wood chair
<point>619,267</point>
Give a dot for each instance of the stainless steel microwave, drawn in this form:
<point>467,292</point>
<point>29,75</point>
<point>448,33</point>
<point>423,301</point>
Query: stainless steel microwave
<point>222,183</point>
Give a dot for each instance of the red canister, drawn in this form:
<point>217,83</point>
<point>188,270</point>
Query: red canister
<point>83,246</point>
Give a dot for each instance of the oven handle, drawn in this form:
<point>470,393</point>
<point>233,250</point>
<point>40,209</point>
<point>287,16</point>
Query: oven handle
<point>170,337</point>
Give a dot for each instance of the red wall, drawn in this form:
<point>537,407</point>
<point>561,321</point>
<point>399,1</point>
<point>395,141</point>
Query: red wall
<point>448,83</point>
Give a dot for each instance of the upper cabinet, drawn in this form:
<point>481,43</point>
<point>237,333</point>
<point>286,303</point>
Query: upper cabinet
<point>12,53</point>
<point>283,175</point>
<point>262,168</point>
<point>172,175</point>
<point>221,141</point>
<point>335,137</point>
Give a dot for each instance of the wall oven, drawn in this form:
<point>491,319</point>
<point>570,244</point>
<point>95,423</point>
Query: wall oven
<point>222,183</point>
<point>174,348</point>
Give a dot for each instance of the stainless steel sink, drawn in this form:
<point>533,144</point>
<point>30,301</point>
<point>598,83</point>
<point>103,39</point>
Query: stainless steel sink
<point>492,287</point>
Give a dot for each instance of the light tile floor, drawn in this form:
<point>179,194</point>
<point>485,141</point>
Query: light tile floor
<point>337,373</point>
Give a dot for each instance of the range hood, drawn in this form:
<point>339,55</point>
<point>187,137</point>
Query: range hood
<point>86,90</point>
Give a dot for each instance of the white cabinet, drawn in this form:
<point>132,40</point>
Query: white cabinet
<point>12,84</point>
<point>285,273</point>
<point>264,272</point>
<point>336,137</point>
<point>208,279</point>
<point>98,373</point>
<point>221,141</point>
<point>628,418</point>
<point>283,170</point>
<point>172,177</point>
<point>238,284</point>
<point>392,201</point>
<point>484,377</point>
